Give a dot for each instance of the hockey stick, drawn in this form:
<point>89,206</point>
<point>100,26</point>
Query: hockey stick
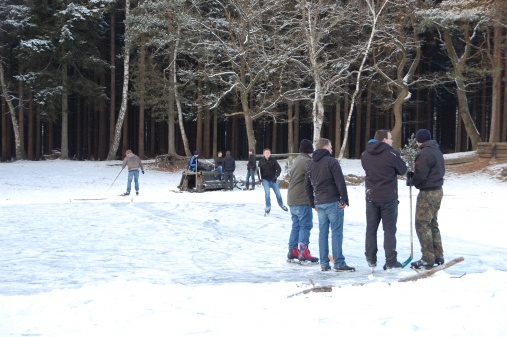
<point>116,178</point>
<point>411,236</point>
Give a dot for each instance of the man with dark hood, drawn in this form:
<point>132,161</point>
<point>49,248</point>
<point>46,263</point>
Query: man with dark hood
<point>382,165</point>
<point>327,193</point>
<point>428,178</point>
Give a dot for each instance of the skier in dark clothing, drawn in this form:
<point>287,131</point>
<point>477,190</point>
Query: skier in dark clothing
<point>382,164</point>
<point>193,163</point>
<point>270,171</point>
<point>229,166</point>
<point>251,166</point>
<point>428,178</point>
<point>300,210</point>
<point>327,193</point>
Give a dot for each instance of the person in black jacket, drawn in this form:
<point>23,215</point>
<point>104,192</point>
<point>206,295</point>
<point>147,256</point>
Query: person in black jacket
<point>229,166</point>
<point>382,165</point>
<point>428,178</point>
<point>251,166</point>
<point>270,171</point>
<point>219,164</point>
<point>327,193</point>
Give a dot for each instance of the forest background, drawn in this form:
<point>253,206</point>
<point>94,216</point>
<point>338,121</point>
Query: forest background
<point>94,78</point>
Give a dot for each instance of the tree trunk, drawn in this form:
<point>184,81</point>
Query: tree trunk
<point>359,123</point>
<point>4,130</point>
<point>504,119</point>
<point>198,137</point>
<point>290,132</point>
<point>274,137</point>
<point>38,134</point>
<point>126,62</point>
<point>30,126</point>
<point>79,111</point>
<point>483,109</point>
<point>337,129</point>
<point>112,95</point>
<point>21,112</point>
<point>496,99</point>
<point>296,125</point>
<point>215,133</point>
<point>142,75</point>
<point>103,144</point>
<point>367,124</point>
<point>89,133</point>
<point>65,115</point>
<point>207,126</point>
<point>178,104</point>
<point>125,139</point>
<point>346,111</point>
<point>458,64</point>
<point>13,115</point>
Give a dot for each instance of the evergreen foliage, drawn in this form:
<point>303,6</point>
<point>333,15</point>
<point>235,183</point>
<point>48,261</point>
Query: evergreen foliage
<point>409,152</point>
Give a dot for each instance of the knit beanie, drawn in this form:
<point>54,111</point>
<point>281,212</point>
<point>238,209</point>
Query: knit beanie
<point>306,146</point>
<point>196,152</point>
<point>422,136</point>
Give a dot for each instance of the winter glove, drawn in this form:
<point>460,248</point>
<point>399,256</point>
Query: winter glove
<point>143,172</point>
<point>410,175</point>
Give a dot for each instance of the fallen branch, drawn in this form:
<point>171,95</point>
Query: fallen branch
<point>432,271</point>
<point>327,289</point>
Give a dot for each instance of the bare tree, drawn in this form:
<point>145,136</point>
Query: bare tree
<point>459,24</point>
<point>12,112</point>
<point>126,63</point>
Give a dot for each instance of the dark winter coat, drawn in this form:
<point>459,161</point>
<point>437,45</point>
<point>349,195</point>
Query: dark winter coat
<point>252,163</point>
<point>324,182</point>
<point>429,167</point>
<point>229,164</point>
<point>382,164</point>
<point>219,161</point>
<point>296,194</point>
<point>269,169</point>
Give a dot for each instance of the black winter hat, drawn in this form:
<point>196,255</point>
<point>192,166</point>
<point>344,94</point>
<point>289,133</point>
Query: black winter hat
<point>306,146</point>
<point>422,136</point>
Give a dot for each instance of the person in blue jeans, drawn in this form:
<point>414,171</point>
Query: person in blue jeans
<point>327,193</point>
<point>133,163</point>
<point>269,172</point>
<point>300,210</point>
<point>250,166</point>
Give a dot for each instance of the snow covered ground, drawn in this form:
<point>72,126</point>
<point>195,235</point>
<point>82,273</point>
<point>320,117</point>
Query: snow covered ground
<point>211,264</point>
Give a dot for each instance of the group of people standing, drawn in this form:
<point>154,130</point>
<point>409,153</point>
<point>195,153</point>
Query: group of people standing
<point>317,182</point>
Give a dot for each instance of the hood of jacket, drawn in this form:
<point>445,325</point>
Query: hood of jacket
<point>375,147</point>
<point>430,143</point>
<point>320,153</point>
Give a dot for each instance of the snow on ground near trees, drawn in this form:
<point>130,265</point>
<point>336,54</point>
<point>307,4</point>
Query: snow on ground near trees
<point>211,264</point>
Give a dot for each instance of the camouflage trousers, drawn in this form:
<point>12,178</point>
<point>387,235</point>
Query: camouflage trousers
<point>426,225</point>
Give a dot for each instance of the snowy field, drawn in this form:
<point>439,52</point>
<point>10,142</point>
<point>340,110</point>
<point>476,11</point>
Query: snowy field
<point>211,264</point>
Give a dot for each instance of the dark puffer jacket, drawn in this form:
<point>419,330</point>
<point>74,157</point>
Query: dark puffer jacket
<point>252,163</point>
<point>324,181</point>
<point>429,167</point>
<point>269,169</point>
<point>382,164</point>
<point>229,164</point>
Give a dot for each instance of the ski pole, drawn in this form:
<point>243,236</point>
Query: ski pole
<point>411,235</point>
<point>116,178</point>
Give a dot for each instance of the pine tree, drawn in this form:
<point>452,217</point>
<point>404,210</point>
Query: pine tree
<point>409,152</point>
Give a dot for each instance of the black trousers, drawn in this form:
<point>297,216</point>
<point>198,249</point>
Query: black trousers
<point>388,213</point>
<point>229,180</point>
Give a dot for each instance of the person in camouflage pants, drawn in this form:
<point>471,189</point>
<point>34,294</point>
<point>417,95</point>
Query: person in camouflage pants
<point>428,178</point>
<point>426,224</point>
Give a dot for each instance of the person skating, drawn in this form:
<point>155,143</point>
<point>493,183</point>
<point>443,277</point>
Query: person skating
<point>300,210</point>
<point>229,166</point>
<point>269,172</point>
<point>133,163</point>
<point>428,178</point>
<point>327,193</point>
<point>382,164</point>
<point>251,166</point>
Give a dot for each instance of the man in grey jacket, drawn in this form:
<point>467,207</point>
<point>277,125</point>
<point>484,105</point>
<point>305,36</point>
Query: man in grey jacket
<point>133,163</point>
<point>300,210</point>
